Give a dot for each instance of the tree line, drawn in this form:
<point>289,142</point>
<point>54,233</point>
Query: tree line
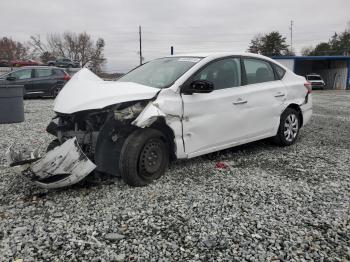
<point>274,44</point>
<point>75,46</point>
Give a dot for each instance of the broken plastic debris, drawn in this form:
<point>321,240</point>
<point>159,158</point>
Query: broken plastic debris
<point>15,158</point>
<point>63,166</point>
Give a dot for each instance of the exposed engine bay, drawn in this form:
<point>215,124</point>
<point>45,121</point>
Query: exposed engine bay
<point>86,141</point>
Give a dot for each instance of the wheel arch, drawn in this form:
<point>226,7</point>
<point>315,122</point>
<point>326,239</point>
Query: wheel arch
<point>107,151</point>
<point>161,125</point>
<point>297,108</point>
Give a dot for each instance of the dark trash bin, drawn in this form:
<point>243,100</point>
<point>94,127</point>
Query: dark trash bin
<point>11,104</point>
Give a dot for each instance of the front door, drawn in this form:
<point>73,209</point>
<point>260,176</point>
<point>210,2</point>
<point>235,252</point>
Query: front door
<point>212,120</point>
<point>22,77</point>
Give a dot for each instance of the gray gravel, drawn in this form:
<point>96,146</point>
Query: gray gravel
<point>270,203</point>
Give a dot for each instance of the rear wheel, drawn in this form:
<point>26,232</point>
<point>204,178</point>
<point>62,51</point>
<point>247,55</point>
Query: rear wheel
<point>288,130</point>
<point>56,91</point>
<point>144,157</point>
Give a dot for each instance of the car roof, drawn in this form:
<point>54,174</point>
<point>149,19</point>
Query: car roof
<point>218,54</point>
<point>39,67</point>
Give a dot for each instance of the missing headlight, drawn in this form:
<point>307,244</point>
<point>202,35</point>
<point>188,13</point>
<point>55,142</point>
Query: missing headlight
<point>130,112</point>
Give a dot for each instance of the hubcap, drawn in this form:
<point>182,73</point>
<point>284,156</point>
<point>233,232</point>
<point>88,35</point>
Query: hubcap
<point>291,127</point>
<point>151,157</point>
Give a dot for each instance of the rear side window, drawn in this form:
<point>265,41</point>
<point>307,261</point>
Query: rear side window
<point>258,71</point>
<point>279,71</point>
<point>224,73</point>
<point>58,72</point>
<point>43,72</point>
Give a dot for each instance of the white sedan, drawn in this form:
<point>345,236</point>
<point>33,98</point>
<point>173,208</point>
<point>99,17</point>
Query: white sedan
<point>179,106</point>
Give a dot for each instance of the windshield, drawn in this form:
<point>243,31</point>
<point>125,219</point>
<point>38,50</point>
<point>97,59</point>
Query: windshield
<point>314,78</point>
<point>160,73</point>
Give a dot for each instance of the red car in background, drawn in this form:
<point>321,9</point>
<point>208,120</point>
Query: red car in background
<point>27,62</point>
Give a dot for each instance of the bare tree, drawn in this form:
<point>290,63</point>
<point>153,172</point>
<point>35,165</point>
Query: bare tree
<point>255,44</point>
<point>307,50</point>
<point>10,49</point>
<point>79,47</point>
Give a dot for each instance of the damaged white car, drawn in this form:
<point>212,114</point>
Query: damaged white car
<point>173,107</point>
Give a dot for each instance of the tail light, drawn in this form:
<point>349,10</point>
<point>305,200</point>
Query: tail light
<point>66,77</point>
<point>308,86</point>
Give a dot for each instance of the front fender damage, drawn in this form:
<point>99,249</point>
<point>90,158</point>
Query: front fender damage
<point>63,166</point>
<point>148,116</point>
<point>69,163</point>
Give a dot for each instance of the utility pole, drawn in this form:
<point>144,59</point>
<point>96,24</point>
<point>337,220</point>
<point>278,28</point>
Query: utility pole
<point>291,35</point>
<point>140,40</point>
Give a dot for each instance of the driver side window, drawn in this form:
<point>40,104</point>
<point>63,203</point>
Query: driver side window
<point>224,73</point>
<point>22,74</point>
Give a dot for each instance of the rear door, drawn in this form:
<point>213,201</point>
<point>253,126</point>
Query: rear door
<point>265,95</point>
<point>44,80</point>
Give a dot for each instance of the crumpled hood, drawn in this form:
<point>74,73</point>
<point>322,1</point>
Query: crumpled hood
<point>87,91</point>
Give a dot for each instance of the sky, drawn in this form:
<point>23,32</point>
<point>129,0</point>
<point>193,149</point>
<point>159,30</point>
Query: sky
<point>189,26</point>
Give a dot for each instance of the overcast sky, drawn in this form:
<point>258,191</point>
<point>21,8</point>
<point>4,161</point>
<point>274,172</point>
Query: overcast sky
<point>188,25</point>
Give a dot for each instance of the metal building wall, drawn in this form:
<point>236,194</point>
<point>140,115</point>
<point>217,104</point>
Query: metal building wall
<point>335,78</point>
<point>289,63</point>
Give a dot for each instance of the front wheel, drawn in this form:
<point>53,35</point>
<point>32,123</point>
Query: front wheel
<point>144,157</point>
<point>288,130</point>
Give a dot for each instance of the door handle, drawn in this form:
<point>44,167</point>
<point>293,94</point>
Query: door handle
<point>240,101</point>
<point>279,94</point>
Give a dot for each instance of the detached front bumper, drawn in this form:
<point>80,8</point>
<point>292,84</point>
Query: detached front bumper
<point>63,166</point>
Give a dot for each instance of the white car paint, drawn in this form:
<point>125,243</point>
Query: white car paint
<point>202,123</point>
<point>87,91</point>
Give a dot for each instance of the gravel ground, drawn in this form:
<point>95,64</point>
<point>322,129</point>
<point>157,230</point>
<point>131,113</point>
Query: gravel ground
<point>270,203</point>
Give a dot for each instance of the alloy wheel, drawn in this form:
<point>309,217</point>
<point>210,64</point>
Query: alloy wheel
<point>291,127</point>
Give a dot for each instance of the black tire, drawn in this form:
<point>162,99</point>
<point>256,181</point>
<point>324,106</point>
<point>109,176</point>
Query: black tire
<point>51,64</point>
<point>55,92</point>
<point>53,144</point>
<point>144,157</point>
<point>283,138</point>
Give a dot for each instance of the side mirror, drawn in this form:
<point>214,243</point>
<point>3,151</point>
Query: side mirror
<point>198,86</point>
<point>10,78</point>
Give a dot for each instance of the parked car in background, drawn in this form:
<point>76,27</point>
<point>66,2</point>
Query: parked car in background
<point>4,63</point>
<point>38,81</point>
<point>179,106</point>
<point>316,81</point>
<point>65,63</point>
<point>26,62</point>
